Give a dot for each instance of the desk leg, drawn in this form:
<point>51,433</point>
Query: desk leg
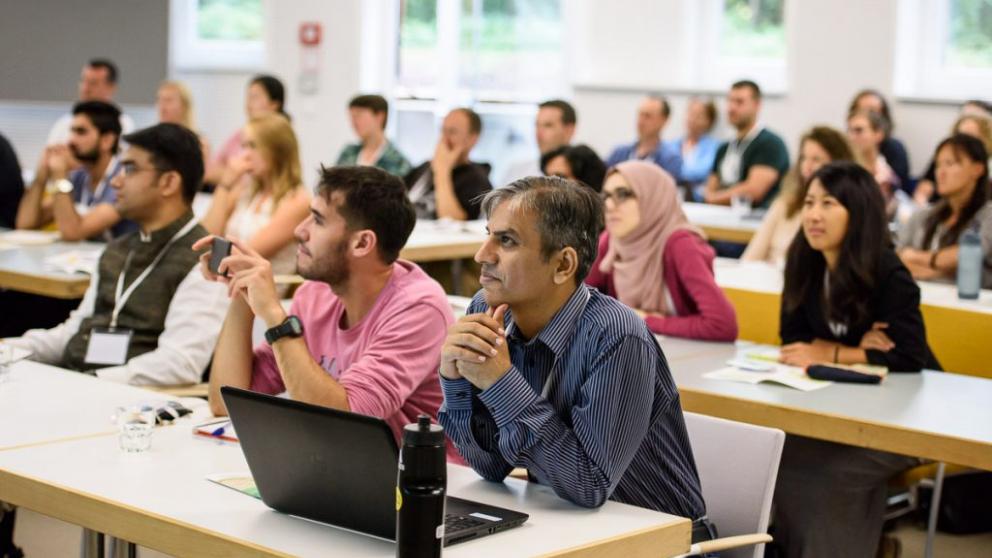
<point>92,546</point>
<point>938,485</point>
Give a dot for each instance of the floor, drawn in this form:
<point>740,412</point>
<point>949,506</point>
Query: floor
<point>40,536</point>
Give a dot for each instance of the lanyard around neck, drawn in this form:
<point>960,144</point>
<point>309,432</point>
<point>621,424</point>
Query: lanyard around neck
<point>121,296</point>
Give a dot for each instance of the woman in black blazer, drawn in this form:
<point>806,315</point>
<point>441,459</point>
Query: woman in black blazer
<point>847,299</point>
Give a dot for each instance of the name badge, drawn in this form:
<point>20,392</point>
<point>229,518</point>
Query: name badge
<point>108,346</point>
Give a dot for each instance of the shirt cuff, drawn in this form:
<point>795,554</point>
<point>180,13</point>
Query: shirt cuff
<point>508,397</point>
<point>457,394</point>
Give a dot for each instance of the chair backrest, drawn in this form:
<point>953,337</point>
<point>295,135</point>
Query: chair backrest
<point>738,465</point>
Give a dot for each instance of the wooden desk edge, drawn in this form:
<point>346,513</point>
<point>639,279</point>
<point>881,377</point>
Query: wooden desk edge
<point>844,430</point>
<point>454,251</point>
<point>738,236</point>
<point>45,286</point>
<point>119,520</point>
<point>662,540</point>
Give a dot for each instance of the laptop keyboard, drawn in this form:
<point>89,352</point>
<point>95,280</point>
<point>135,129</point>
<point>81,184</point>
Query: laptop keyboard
<point>453,522</point>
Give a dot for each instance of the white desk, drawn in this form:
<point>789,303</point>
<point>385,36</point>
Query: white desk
<point>23,269</point>
<point>160,499</point>
<point>936,415</point>
<point>42,404</point>
<point>444,240</point>
<point>721,223</point>
<point>958,331</point>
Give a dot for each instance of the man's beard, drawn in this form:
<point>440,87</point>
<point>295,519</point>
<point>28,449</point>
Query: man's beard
<point>85,157</point>
<point>334,270</point>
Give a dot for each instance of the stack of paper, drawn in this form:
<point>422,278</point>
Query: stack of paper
<point>790,376</point>
<point>75,261</point>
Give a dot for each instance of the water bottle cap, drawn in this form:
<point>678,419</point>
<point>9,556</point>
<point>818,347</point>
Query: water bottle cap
<point>423,433</point>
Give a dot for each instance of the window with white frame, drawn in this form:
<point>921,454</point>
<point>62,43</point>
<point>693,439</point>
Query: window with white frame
<point>500,57</point>
<point>217,34</point>
<point>944,49</point>
<point>738,39</point>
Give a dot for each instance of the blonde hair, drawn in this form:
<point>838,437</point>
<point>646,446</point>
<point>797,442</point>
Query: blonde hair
<point>984,128</point>
<point>276,140</point>
<point>186,99</point>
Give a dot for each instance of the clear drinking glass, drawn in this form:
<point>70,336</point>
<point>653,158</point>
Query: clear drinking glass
<point>135,424</point>
<point>740,205</point>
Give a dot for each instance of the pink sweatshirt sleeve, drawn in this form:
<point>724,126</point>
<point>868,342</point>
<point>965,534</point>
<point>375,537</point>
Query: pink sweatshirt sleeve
<point>715,319</point>
<point>405,352</point>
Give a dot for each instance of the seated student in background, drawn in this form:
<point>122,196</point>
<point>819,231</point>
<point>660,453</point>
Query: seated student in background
<point>928,244</point>
<point>654,261</point>
<point>174,104</point>
<point>78,176</point>
<point>547,373</point>
<point>261,197</point>
<point>575,162</point>
<point>364,332</point>
<point>753,163</point>
<point>697,147</point>
<point>971,124</point>
<point>554,127</point>
<point>369,114</point>
<point>652,116</point>
<point>97,82</point>
<point>265,95</point>
<point>450,186</point>
<point>870,100</point>
<point>847,299</point>
<point>146,284</point>
<point>866,131</point>
<point>819,146</point>
<point>11,184</point>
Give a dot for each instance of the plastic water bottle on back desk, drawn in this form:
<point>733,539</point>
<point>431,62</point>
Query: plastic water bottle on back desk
<point>970,260</point>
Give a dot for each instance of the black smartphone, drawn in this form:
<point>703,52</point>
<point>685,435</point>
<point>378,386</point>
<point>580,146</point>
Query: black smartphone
<point>219,249</point>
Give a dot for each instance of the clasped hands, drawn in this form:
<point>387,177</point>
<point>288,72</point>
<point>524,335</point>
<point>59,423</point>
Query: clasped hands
<point>476,349</point>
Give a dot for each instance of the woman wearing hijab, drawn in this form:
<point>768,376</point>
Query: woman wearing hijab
<point>653,260</point>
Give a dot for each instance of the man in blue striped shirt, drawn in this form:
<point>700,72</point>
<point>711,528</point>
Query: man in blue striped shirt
<point>548,374</point>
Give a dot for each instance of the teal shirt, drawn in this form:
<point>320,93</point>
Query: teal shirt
<point>765,149</point>
<point>391,160</point>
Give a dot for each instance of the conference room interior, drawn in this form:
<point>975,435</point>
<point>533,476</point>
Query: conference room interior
<point>789,200</point>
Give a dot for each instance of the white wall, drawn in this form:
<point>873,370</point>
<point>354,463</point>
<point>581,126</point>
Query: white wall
<point>835,48</point>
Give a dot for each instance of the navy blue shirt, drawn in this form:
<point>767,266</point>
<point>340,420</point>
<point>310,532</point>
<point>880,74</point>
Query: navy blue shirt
<point>588,406</point>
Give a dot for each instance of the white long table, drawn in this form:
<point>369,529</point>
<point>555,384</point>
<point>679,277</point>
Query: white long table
<point>160,499</point>
<point>936,415</point>
<point>42,404</point>
<point>958,331</point>
<point>720,222</point>
<point>23,268</point>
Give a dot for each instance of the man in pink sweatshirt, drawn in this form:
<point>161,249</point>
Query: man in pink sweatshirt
<point>364,333</point>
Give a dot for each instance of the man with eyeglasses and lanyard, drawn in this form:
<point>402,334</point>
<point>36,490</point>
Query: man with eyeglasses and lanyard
<point>149,317</point>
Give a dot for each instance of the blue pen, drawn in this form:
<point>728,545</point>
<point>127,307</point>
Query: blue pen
<point>218,431</point>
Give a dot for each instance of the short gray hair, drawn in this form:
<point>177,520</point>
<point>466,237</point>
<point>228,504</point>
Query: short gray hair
<point>567,213</point>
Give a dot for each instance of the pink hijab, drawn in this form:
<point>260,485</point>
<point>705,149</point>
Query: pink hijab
<point>637,260</point>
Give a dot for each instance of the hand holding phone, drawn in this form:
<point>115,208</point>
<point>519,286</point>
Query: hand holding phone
<point>220,248</point>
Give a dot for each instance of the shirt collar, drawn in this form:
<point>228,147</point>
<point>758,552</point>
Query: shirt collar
<point>161,236</point>
<point>556,333</point>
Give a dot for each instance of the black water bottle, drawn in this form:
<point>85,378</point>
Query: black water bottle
<point>420,488</point>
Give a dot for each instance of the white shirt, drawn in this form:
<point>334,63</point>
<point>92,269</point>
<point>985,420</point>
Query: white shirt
<point>59,134</point>
<point>192,325</point>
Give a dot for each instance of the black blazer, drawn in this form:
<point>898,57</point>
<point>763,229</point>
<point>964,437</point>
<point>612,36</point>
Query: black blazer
<point>895,301</point>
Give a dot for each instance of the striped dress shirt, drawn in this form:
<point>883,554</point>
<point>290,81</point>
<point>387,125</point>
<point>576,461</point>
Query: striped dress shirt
<point>588,406</point>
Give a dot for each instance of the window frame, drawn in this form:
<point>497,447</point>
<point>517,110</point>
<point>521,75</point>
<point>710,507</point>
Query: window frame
<point>922,35</point>
<point>189,52</point>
